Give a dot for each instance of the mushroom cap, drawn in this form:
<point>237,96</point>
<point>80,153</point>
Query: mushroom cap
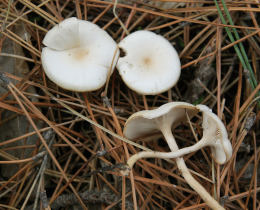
<point>151,64</point>
<point>214,128</point>
<point>78,55</point>
<point>147,121</point>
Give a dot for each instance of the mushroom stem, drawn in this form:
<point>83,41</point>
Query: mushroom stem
<point>212,203</point>
<point>166,155</point>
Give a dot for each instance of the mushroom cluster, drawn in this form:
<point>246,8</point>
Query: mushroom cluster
<point>167,117</point>
<point>80,56</point>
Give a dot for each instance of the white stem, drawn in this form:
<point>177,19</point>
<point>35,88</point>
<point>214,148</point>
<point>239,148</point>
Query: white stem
<point>212,203</point>
<point>166,155</point>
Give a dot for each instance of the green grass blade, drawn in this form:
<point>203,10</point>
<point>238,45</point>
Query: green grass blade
<point>242,49</point>
<point>238,52</point>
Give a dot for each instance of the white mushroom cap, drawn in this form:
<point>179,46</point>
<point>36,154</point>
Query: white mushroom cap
<point>151,64</point>
<point>64,35</point>
<point>167,115</point>
<point>78,55</point>
<point>215,133</point>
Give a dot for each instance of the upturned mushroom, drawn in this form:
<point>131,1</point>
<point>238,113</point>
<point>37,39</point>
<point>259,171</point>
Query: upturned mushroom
<point>151,65</point>
<point>214,135</point>
<point>170,115</point>
<point>78,55</point>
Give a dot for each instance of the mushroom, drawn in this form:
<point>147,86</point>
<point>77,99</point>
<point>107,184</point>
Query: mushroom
<point>163,119</point>
<point>214,135</point>
<point>151,65</point>
<point>78,55</point>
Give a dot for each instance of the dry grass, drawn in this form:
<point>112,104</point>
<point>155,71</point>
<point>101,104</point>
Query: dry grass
<point>83,136</point>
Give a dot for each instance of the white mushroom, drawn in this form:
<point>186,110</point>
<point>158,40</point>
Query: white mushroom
<point>151,65</point>
<point>214,135</point>
<point>78,55</point>
<point>163,119</point>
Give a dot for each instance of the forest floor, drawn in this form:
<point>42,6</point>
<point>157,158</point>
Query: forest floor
<point>62,149</point>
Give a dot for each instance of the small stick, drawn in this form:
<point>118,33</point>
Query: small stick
<point>34,158</point>
<point>120,22</point>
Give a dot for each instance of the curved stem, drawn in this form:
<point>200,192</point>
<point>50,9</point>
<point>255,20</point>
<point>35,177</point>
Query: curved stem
<point>194,184</point>
<point>166,155</point>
